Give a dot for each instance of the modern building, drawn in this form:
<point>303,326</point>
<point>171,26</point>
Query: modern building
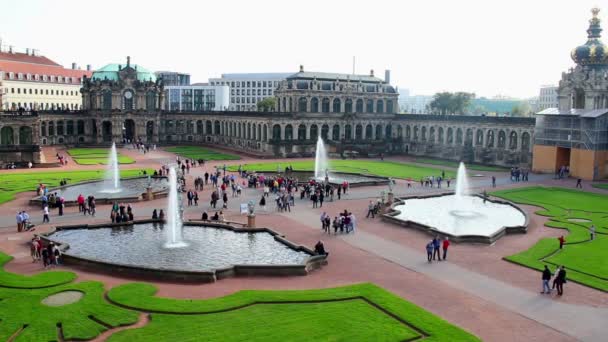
<point>415,104</point>
<point>197,98</point>
<point>321,92</point>
<point>172,78</point>
<point>246,90</point>
<point>575,134</point>
<point>547,97</point>
<point>31,81</point>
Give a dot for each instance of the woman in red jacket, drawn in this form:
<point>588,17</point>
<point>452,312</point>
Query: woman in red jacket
<point>446,244</point>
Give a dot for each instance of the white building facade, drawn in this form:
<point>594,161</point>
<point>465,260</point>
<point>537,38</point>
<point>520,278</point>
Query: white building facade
<point>197,98</point>
<point>547,97</point>
<point>246,90</point>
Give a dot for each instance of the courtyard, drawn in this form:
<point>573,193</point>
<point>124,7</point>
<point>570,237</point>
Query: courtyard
<point>377,281</point>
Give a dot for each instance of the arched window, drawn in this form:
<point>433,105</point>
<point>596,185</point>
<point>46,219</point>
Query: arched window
<point>368,132</point>
<point>423,133</point>
<point>359,106</point>
<point>314,105</point>
<point>289,132</point>
<point>325,105</point>
<point>336,105</point>
<point>199,127</point>
<point>106,99</point>
<point>388,131</point>
<point>370,106</point>
<point>25,135</point>
<point>208,127</point>
<point>513,140</point>
<point>359,132</point>
<point>324,132</point>
<point>276,132</point>
<point>6,136</point>
<point>408,132</point>
<point>51,128</point>
<point>93,100</point>
<point>432,134</point>
<point>335,133</point>
<point>416,137</point>
<point>60,128</point>
<point>302,104</point>
<point>389,107</point>
<point>399,131</point>
<point>150,100</point>
<point>469,137</point>
<point>348,106</point>
<point>378,132</point>
<point>265,133</point>
<point>380,106</point>
<point>70,129</point>
<point>216,128</point>
<point>450,138</point>
<point>502,139</point>
<point>459,136</point>
<point>490,139</point>
<point>479,138</point>
<point>525,142</point>
<point>301,132</point>
<point>43,129</point>
<point>348,132</point>
<point>440,135</point>
<point>314,132</point>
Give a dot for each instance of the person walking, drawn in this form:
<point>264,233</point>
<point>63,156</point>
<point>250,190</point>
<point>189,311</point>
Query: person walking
<point>45,214</point>
<point>493,181</point>
<point>429,251</point>
<point>560,280</point>
<point>546,277</point>
<point>445,245</point>
<point>579,183</point>
<point>370,209</point>
<point>592,232</point>
<point>436,244</point>
<point>19,219</point>
<point>562,241</point>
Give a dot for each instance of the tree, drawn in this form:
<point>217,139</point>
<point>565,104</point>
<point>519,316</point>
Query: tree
<point>522,109</point>
<point>268,104</point>
<point>445,103</point>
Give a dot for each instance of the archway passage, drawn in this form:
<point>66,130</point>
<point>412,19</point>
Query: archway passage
<point>129,130</point>
<point>106,131</point>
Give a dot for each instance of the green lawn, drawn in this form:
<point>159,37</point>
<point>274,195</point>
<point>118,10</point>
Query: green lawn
<point>196,153</point>
<point>362,312</point>
<point>449,163</point>
<point>585,260</point>
<point>95,156</point>
<point>601,186</point>
<point>371,167</point>
<point>13,183</point>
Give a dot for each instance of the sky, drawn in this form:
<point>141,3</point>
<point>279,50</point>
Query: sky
<point>489,47</point>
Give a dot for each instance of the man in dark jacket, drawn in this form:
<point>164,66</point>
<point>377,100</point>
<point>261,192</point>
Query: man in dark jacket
<point>560,280</point>
<point>546,277</point>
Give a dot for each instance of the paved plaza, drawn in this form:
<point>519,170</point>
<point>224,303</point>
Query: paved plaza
<point>475,289</point>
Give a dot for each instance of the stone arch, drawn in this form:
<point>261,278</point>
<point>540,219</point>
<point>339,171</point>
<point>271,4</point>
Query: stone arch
<point>314,105</point>
<point>289,132</point>
<point>502,139</point>
<point>370,106</point>
<point>380,106</point>
<point>80,127</point>
<point>325,105</point>
<point>359,132</point>
<point>479,137</point>
<point>440,135</point>
<point>348,132</point>
<point>388,131</point>
<point>432,134</point>
<point>336,105</point>
<point>265,133</point>
<point>359,106</point>
<point>43,129</point>
<point>208,127</point>
<point>335,132</point>
<point>416,133</point>
<point>6,136</point>
<point>408,132</point>
<point>378,131</point>
<point>302,132</point>
<point>325,132</point>
<point>314,131</point>
<point>368,132</point>
<point>390,107</point>
<point>150,130</point>
<point>276,132</point>
<point>450,136</point>
<point>216,128</point>
<point>469,136</point>
<point>525,142</point>
<point>459,136</point>
<point>106,131</point>
<point>348,105</point>
<point>399,131</point>
<point>490,139</point>
<point>302,103</point>
<point>423,133</point>
<point>513,140</point>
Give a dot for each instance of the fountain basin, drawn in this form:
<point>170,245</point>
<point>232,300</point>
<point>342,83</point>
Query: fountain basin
<point>131,190</point>
<point>337,178</point>
<point>214,251</point>
<point>462,218</point>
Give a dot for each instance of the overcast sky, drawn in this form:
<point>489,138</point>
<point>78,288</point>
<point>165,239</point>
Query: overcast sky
<point>488,47</point>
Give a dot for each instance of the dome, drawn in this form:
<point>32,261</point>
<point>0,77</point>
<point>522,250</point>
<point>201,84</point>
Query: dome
<point>593,52</point>
<point>110,72</point>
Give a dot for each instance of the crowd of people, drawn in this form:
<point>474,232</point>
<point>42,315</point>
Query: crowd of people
<point>519,174</point>
<point>433,249</point>
<point>50,255</point>
<point>121,213</point>
<point>345,222</point>
<point>559,279</point>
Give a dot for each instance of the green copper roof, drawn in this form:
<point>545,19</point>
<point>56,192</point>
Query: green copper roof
<point>110,72</point>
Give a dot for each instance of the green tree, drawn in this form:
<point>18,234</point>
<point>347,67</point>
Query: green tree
<point>522,109</point>
<point>446,103</point>
<point>441,103</point>
<point>268,104</point>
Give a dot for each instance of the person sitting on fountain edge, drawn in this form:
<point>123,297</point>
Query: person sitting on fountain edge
<point>205,217</point>
<point>154,215</point>
<point>320,249</point>
<point>215,217</point>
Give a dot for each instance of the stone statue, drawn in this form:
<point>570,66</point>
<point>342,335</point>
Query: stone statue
<point>391,182</point>
<point>251,208</point>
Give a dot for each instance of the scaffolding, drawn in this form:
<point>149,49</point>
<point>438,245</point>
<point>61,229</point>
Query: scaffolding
<point>587,130</point>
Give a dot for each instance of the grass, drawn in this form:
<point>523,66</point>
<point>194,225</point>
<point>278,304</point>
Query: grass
<point>44,279</point>
<point>449,163</point>
<point>79,320</point>
<point>378,168</point>
<point>13,183</point>
<point>95,156</point>
<point>585,260</point>
<point>601,186</point>
<point>197,153</point>
<point>362,312</point>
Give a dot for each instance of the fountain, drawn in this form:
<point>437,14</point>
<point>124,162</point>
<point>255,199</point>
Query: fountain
<point>112,179</point>
<point>174,214</point>
<point>321,164</point>
<point>460,216</point>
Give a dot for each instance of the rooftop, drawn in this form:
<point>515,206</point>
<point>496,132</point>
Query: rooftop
<point>583,113</point>
<point>257,76</point>
<point>334,76</point>
<point>27,58</point>
<point>36,65</point>
<point>110,72</point>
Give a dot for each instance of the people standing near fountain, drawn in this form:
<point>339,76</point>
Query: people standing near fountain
<point>225,200</point>
<point>154,214</point>
<point>320,249</point>
<point>196,198</point>
<point>445,245</point>
<point>61,205</point>
<point>436,246</point>
<point>190,197</point>
<point>429,250</point>
<point>80,201</point>
<point>263,202</point>
<point>45,214</point>
<point>161,215</point>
